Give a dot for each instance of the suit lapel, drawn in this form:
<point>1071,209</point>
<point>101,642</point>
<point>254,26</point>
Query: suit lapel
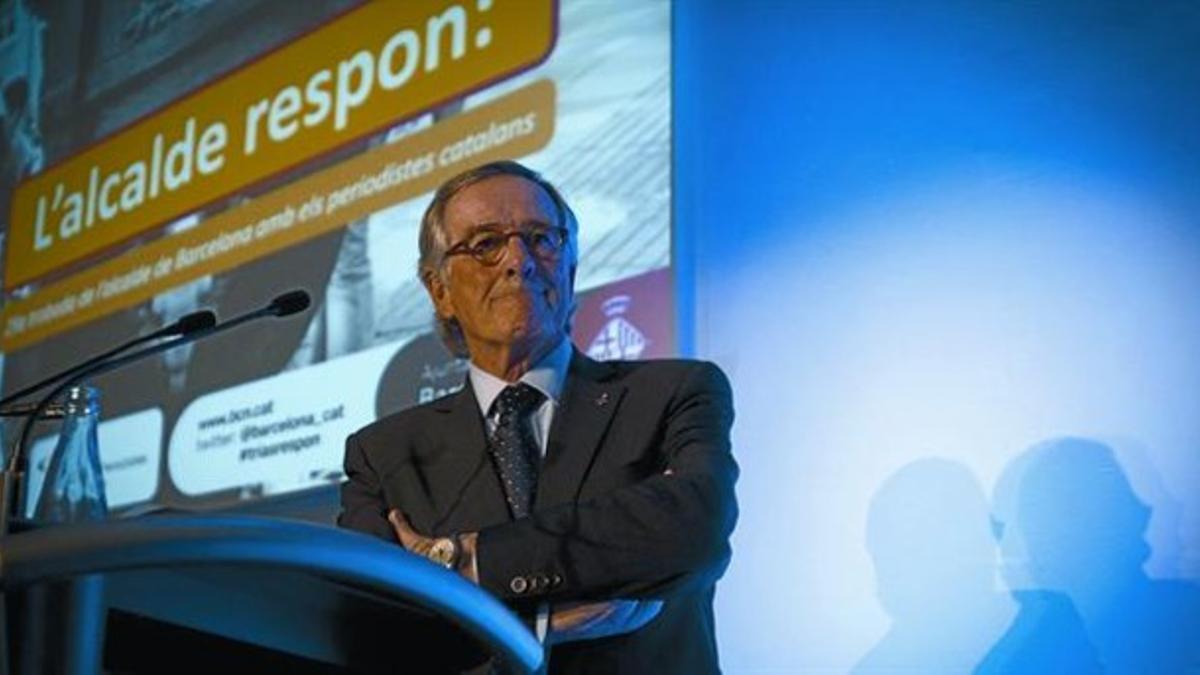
<point>588,404</point>
<point>463,483</point>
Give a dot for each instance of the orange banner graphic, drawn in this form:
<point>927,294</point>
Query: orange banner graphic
<point>371,67</point>
<point>517,124</point>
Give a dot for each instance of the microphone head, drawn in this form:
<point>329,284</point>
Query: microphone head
<point>292,302</point>
<point>190,323</point>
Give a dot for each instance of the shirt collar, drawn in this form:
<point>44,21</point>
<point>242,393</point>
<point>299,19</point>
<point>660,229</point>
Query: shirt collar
<point>547,376</point>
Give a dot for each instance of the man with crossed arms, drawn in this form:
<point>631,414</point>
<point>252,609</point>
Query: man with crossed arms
<point>593,498</point>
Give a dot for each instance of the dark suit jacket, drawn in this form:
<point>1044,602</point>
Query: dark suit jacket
<point>608,521</point>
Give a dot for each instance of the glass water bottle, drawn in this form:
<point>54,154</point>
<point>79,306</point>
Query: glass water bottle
<point>73,489</point>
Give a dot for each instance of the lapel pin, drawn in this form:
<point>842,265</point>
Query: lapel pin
<point>602,399</point>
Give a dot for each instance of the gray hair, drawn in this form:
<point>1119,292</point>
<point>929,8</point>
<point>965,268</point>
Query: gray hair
<point>434,240</point>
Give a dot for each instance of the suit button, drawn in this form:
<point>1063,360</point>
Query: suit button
<point>518,585</point>
<point>556,580</point>
<point>541,582</point>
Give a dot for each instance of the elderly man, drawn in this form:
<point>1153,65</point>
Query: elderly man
<point>595,499</point>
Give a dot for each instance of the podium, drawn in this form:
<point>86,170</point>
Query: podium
<point>270,588</point>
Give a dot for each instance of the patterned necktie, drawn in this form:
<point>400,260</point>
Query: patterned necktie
<point>513,448</point>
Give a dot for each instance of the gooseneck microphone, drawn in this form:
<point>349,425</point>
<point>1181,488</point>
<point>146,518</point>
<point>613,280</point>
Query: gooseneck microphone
<point>186,324</point>
<point>10,476</point>
<point>287,304</point>
<point>292,302</point>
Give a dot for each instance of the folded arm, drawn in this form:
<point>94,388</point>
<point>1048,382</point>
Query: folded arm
<point>641,543</point>
<point>662,535</point>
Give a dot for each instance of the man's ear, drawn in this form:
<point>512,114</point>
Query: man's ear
<point>439,293</point>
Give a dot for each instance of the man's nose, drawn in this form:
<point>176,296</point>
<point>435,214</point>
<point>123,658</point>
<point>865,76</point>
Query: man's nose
<point>518,260</point>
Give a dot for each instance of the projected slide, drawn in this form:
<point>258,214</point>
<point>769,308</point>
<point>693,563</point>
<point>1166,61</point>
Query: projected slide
<point>161,158</point>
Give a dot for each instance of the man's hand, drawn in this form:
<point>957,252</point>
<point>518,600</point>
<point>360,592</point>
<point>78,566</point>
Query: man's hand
<point>588,621</point>
<point>569,621</point>
<point>409,538</point>
<point>418,543</point>
<point>579,616</point>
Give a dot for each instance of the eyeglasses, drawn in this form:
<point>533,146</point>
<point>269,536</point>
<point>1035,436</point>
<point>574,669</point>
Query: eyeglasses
<point>488,246</point>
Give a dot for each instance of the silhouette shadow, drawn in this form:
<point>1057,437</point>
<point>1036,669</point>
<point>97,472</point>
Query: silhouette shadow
<point>929,539</point>
<point>1071,533</point>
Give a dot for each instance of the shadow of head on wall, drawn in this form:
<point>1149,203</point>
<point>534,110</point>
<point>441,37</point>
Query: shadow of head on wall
<point>934,559</point>
<point>1071,532</point>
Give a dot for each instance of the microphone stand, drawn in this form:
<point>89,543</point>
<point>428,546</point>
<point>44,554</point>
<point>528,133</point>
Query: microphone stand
<point>193,327</point>
<point>186,324</point>
<point>10,476</point>
<point>283,305</point>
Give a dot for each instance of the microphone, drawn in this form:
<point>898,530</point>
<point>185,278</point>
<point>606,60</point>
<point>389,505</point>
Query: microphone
<point>192,322</point>
<point>186,326</point>
<point>183,326</point>
<point>287,304</point>
<point>292,302</point>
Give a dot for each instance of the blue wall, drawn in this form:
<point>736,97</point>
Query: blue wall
<point>949,253</point>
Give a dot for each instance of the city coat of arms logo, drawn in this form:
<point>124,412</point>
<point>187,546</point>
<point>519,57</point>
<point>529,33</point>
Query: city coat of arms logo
<point>618,338</point>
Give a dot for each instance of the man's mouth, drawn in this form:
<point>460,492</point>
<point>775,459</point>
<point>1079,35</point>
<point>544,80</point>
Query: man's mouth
<point>527,292</point>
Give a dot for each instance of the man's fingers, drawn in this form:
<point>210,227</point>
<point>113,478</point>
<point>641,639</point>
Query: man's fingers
<point>587,621</point>
<point>400,525</point>
<point>408,537</point>
<point>572,617</point>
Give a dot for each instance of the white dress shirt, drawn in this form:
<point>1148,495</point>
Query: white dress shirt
<point>547,376</point>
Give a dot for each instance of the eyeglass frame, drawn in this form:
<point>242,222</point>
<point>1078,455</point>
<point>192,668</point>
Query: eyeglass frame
<point>464,247</point>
